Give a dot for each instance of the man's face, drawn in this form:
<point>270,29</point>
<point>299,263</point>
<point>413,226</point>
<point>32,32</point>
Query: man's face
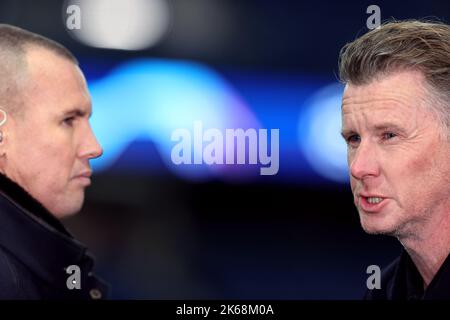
<point>398,159</point>
<point>49,144</point>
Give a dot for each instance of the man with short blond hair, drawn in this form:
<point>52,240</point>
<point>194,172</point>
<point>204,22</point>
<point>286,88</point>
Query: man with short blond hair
<point>396,122</point>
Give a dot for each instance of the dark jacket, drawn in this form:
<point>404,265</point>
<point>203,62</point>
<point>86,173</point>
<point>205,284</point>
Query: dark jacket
<point>402,281</point>
<point>36,249</point>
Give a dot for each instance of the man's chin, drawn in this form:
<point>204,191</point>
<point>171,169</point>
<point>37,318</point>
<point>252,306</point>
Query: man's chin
<point>68,208</point>
<point>67,213</point>
<point>378,226</point>
<point>379,231</point>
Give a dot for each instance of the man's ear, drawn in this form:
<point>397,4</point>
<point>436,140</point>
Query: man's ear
<point>3,118</point>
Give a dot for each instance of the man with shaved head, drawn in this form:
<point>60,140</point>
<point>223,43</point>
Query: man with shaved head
<point>46,143</point>
<point>396,121</point>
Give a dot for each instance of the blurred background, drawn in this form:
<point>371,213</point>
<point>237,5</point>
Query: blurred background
<point>166,231</point>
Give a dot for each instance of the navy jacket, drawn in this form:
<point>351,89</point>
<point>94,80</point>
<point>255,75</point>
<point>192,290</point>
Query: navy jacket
<point>36,249</point>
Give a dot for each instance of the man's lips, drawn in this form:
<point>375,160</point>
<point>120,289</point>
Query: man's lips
<point>84,174</point>
<point>372,203</point>
<point>84,177</point>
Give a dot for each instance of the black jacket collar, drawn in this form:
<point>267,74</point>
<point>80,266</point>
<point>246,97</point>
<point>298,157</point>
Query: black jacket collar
<point>35,237</point>
<point>408,283</point>
<point>23,199</point>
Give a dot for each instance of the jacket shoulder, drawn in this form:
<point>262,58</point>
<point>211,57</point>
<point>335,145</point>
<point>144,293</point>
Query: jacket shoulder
<point>387,278</point>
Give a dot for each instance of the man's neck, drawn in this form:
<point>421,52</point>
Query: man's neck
<point>431,246</point>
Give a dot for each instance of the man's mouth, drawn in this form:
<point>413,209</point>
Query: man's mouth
<point>371,203</point>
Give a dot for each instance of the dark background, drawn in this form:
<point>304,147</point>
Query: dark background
<point>158,235</point>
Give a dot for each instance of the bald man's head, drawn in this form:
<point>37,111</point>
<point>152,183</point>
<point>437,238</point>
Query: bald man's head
<point>15,43</point>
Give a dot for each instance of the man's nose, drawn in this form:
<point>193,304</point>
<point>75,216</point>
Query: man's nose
<point>90,148</point>
<point>364,162</point>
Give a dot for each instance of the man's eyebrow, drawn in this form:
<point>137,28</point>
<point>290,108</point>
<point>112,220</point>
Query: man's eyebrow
<point>379,127</point>
<point>77,112</point>
<point>388,126</point>
<point>345,133</point>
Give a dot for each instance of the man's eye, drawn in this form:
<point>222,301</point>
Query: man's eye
<point>69,121</point>
<point>354,138</point>
<point>388,135</point>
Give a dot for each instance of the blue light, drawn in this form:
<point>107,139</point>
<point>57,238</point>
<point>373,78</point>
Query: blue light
<point>319,134</point>
<point>151,98</point>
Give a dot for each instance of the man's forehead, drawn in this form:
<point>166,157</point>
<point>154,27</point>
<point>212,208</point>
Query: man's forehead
<point>380,97</point>
<point>378,115</point>
<point>44,65</point>
<point>55,81</point>
<point>403,86</point>
<point>375,106</point>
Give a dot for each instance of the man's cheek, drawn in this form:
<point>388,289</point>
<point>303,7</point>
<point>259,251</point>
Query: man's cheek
<point>352,182</point>
<point>419,170</point>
